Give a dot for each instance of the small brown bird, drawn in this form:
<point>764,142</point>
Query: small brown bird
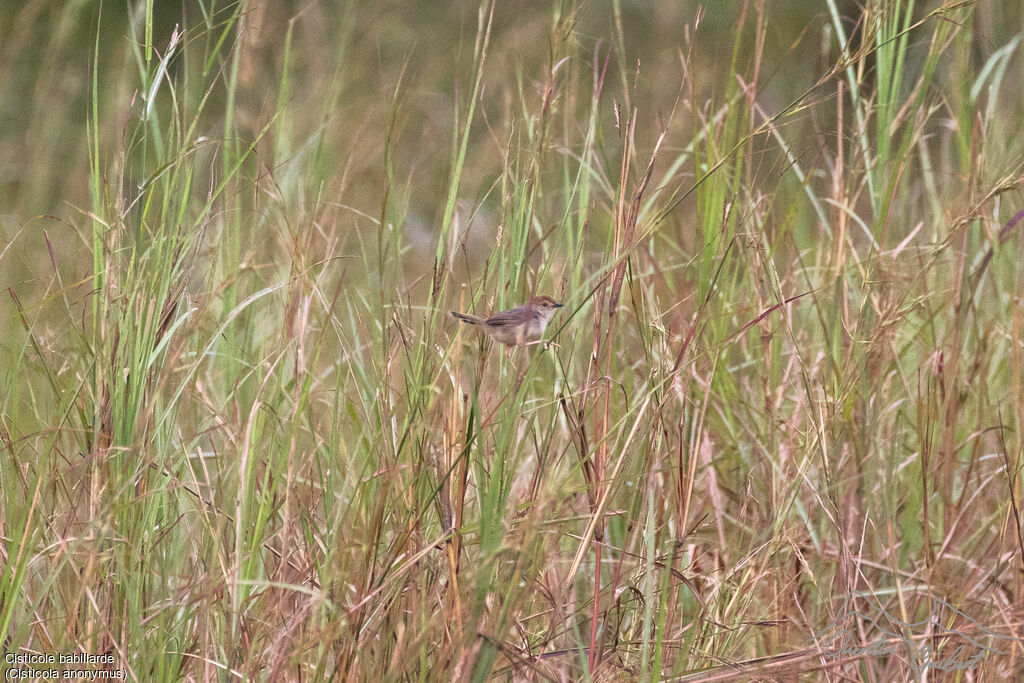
<point>521,325</point>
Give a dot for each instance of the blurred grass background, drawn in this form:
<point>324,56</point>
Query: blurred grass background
<point>242,439</point>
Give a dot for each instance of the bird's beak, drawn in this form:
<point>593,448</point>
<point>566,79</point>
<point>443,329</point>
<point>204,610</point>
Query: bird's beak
<point>559,305</point>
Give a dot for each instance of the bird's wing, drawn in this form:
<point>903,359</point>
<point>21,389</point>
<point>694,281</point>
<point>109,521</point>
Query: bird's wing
<point>511,317</point>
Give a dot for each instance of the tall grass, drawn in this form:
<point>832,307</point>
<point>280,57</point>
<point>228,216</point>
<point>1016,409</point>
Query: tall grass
<point>242,438</point>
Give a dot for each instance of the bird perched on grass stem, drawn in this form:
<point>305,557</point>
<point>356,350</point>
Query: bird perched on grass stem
<point>518,326</point>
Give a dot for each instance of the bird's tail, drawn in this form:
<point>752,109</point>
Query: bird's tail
<point>471,319</point>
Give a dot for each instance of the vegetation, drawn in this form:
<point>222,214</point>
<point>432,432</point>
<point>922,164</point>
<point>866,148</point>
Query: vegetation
<point>243,439</point>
